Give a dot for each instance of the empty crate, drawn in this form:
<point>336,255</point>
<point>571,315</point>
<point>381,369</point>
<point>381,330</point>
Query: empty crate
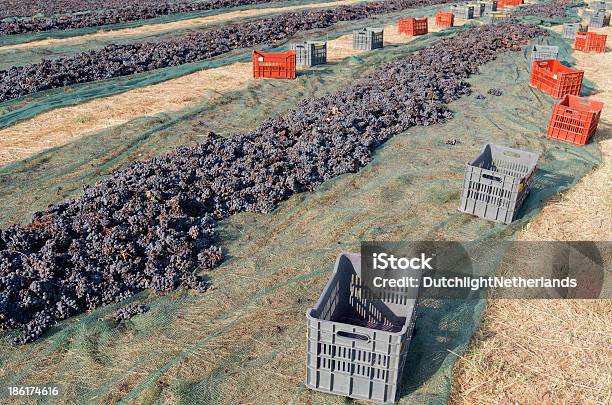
<point>570,30</point>
<point>274,65</point>
<point>497,182</point>
<point>590,42</point>
<point>357,342</point>
<point>368,38</point>
<point>539,52</point>
<point>599,19</point>
<point>310,53</point>
<point>509,3</point>
<point>489,6</point>
<point>463,11</point>
<point>574,119</point>
<point>444,19</point>
<point>479,9</point>
<point>597,5</point>
<point>412,26</point>
<point>496,17</point>
<point>555,79</point>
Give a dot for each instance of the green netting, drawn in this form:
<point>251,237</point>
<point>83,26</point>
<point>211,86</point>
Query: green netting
<point>24,38</point>
<point>244,342</point>
<point>26,107</point>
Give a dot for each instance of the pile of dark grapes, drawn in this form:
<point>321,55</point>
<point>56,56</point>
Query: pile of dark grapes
<point>114,15</point>
<point>552,9</point>
<point>30,8</point>
<point>152,224</point>
<point>495,92</point>
<point>121,60</point>
<point>128,311</point>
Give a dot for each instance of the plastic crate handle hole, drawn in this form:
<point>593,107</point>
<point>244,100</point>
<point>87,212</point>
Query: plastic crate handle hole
<point>355,336</point>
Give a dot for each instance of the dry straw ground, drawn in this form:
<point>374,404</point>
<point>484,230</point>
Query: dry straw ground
<point>62,125</point>
<point>552,351</point>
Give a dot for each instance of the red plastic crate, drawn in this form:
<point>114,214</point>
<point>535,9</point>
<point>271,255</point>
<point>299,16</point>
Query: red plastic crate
<point>555,79</point>
<point>412,26</point>
<point>274,65</point>
<point>590,42</point>
<point>445,19</point>
<point>508,3</point>
<point>574,119</point>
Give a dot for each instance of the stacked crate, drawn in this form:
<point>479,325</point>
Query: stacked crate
<point>310,53</point>
<point>368,38</point>
<point>412,26</point>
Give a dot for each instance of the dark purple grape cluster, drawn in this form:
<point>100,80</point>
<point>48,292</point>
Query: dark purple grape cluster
<point>114,13</point>
<point>495,92</point>
<point>121,60</point>
<point>128,311</point>
<point>152,224</point>
<point>30,8</point>
<point>552,9</point>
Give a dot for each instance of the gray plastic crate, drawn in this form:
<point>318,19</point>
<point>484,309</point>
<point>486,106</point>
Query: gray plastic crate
<point>357,343</point>
<point>479,9</point>
<point>599,20</point>
<point>489,6</point>
<point>310,53</point>
<point>539,52</point>
<point>368,38</point>
<point>465,11</point>
<point>497,182</point>
<point>570,30</point>
<point>598,5</point>
<point>493,17</point>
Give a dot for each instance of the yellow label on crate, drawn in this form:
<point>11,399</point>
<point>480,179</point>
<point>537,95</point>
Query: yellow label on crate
<point>521,187</point>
